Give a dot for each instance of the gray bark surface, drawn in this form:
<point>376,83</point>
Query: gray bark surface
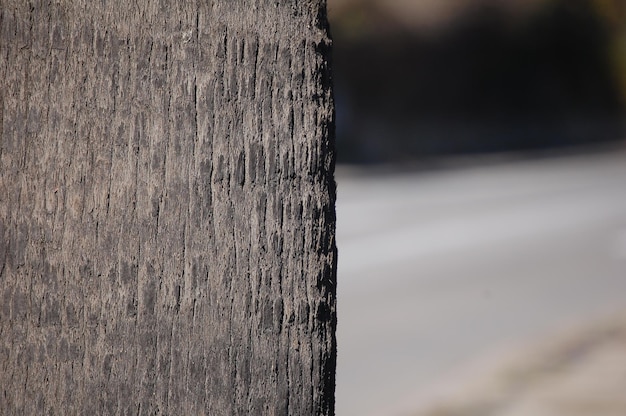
<point>166,208</point>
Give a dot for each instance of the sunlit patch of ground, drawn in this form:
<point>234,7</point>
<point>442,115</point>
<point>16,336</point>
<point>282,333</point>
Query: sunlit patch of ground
<point>579,374</point>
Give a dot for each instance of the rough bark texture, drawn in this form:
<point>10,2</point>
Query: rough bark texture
<point>166,208</point>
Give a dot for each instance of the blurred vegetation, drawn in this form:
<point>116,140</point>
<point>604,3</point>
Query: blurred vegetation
<point>491,80</point>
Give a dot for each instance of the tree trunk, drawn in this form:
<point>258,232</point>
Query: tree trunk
<point>166,208</point>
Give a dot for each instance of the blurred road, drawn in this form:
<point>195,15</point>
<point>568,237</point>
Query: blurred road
<point>440,269</point>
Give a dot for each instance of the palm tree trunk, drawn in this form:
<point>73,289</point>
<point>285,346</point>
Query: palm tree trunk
<point>166,208</point>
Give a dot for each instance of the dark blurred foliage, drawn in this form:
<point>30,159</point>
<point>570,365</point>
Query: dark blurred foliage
<point>489,83</point>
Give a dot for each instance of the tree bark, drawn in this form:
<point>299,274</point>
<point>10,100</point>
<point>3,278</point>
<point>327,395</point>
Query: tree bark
<point>166,208</point>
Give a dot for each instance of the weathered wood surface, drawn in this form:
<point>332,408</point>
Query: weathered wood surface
<point>166,208</point>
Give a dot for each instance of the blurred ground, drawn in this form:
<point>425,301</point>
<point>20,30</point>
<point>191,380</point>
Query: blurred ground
<point>579,373</point>
<point>459,266</point>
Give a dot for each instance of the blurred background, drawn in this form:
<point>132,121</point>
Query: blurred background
<point>422,78</point>
<point>481,206</point>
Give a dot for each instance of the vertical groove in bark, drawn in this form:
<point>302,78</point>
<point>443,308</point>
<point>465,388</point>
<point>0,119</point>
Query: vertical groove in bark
<point>166,208</point>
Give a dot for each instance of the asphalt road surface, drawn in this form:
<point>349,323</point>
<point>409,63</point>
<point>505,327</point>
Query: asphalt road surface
<point>438,269</point>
